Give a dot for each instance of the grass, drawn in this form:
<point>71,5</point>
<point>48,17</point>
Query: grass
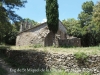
<point>3,71</point>
<point>60,50</point>
<point>57,73</point>
<point>53,72</point>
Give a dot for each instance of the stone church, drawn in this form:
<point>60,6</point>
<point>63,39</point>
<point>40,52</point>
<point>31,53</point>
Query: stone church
<point>41,35</point>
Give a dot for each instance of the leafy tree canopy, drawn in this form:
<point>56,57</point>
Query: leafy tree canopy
<point>88,7</point>
<point>73,26</point>
<point>86,15</point>
<point>6,10</point>
<point>95,27</point>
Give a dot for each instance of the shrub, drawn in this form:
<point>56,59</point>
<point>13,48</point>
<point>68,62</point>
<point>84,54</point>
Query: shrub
<point>80,56</point>
<point>37,45</point>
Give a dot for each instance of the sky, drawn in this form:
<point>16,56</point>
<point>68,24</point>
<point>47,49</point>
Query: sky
<point>35,9</point>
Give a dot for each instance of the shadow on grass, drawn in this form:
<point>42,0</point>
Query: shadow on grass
<point>3,50</point>
<point>24,59</point>
<point>3,71</point>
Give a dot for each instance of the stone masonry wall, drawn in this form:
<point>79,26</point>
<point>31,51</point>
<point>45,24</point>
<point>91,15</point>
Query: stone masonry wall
<point>33,36</point>
<point>70,42</point>
<point>46,60</point>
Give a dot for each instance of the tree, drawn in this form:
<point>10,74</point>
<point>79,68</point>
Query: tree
<point>7,14</point>
<point>73,27</point>
<point>4,29</point>
<point>10,37</point>
<point>34,23</point>
<point>85,19</point>
<point>52,21</point>
<point>88,7</point>
<point>96,22</point>
<point>52,15</point>
<point>26,24</point>
<point>86,15</point>
<point>6,10</point>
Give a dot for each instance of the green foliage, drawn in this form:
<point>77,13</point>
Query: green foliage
<point>32,22</point>
<point>8,35</point>
<point>72,26</point>
<point>52,15</point>
<point>56,73</point>
<point>85,19</point>
<point>86,73</point>
<point>86,15</point>
<point>37,46</point>
<point>6,10</point>
<point>95,27</point>
<point>4,28</point>
<point>80,56</point>
<point>87,27</point>
<point>88,7</point>
<point>7,30</point>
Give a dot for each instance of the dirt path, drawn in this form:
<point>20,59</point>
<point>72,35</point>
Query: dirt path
<point>5,66</point>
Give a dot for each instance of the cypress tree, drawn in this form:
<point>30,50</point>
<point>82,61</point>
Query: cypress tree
<point>52,15</point>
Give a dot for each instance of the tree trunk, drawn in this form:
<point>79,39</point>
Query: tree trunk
<point>50,39</point>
